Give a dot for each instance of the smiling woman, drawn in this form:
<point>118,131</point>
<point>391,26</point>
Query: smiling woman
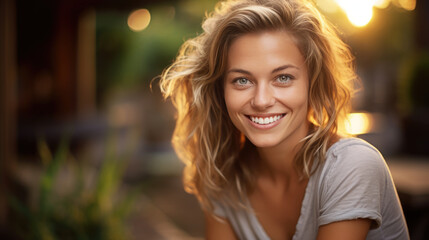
<point>266,89</point>
<point>259,97</point>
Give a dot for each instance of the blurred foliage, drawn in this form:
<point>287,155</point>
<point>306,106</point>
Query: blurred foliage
<point>413,83</point>
<point>389,36</point>
<point>126,59</point>
<point>94,212</point>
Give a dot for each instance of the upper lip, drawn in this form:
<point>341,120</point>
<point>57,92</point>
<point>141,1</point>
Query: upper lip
<point>264,115</point>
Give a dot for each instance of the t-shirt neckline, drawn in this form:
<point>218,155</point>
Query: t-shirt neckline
<point>304,206</point>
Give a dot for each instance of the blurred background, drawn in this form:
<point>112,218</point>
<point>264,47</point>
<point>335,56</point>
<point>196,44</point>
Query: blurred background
<point>85,140</point>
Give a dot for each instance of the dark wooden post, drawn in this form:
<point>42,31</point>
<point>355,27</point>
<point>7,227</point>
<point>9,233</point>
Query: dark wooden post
<point>7,101</point>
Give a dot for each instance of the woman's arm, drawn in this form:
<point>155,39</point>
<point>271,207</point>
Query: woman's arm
<point>351,230</point>
<point>216,229</point>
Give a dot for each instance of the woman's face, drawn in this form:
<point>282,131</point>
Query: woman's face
<point>266,88</point>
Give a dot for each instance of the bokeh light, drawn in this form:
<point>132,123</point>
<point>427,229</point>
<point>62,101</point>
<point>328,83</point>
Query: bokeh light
<point>358,12</point>
<point>139,19</point>
<point>329,6</point>
<point>382,3</point>
<point>409,5</point>
<point>358,123</point>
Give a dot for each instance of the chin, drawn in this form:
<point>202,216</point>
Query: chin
<point>264,143</point>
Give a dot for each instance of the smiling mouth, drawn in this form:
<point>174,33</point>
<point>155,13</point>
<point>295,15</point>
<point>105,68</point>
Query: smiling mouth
<point>265,120</point>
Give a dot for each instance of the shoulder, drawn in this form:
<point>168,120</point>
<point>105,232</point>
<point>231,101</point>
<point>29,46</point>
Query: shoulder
<point>353,154</point>
<point>353,146</point>
<point>353,167</point>
<point>353,179</point>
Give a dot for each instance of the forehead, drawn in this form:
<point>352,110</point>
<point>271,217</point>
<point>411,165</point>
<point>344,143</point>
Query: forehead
<point>264,49</point>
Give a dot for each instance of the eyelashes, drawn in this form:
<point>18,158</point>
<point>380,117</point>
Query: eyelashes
<point>241,81</point>
<point>284,78</point>
<point>279,80</point>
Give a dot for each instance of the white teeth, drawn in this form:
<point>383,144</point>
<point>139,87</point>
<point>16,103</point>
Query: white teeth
<point>267,120</point>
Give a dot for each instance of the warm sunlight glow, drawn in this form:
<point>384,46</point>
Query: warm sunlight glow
<point>358,123</point>
<point>139,20</point>
<point>328,6</point>
<point>358,12</point>
<point>382,3</point>
<point>409,5</point>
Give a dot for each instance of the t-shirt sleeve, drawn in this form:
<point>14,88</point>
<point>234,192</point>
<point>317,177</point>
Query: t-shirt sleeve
<point>353,185</point>
<point>219,209</point>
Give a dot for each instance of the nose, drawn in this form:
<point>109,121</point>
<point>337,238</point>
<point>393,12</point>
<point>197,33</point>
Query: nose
<point>263,97</point>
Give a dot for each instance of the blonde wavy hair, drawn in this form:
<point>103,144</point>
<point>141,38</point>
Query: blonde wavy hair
<point>205,138</point>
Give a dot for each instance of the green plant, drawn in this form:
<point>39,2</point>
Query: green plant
<point>94,212</point>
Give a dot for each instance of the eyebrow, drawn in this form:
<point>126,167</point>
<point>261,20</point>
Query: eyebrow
<point>237,70</point>
<point>284,67</point>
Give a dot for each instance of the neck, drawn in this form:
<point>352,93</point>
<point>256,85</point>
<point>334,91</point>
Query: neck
<point>278,162</point>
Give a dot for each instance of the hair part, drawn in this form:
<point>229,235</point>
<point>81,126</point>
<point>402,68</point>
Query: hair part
<point>205,138</point>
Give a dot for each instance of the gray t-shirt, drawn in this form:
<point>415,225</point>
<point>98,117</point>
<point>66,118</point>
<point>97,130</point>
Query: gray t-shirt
<point>354,182</point>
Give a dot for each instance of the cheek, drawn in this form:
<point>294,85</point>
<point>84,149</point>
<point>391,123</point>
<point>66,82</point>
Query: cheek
<point>235,103</point>
<point>293,98</point>
<point>228,100</point>
<point>302,101</point>
<point>302,105</point>
<point>234,100</point>
<point>300,95</point>
<point>230,104</point>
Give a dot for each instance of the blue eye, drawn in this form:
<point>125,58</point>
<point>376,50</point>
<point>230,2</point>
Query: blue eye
<point>284,78</point>
<point>242,81</point>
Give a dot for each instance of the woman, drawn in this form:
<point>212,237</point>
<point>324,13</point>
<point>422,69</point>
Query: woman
<point>260,96</point>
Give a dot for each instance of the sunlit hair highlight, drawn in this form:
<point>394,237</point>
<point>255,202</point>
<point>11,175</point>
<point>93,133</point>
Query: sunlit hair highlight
<point>205,138</point>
